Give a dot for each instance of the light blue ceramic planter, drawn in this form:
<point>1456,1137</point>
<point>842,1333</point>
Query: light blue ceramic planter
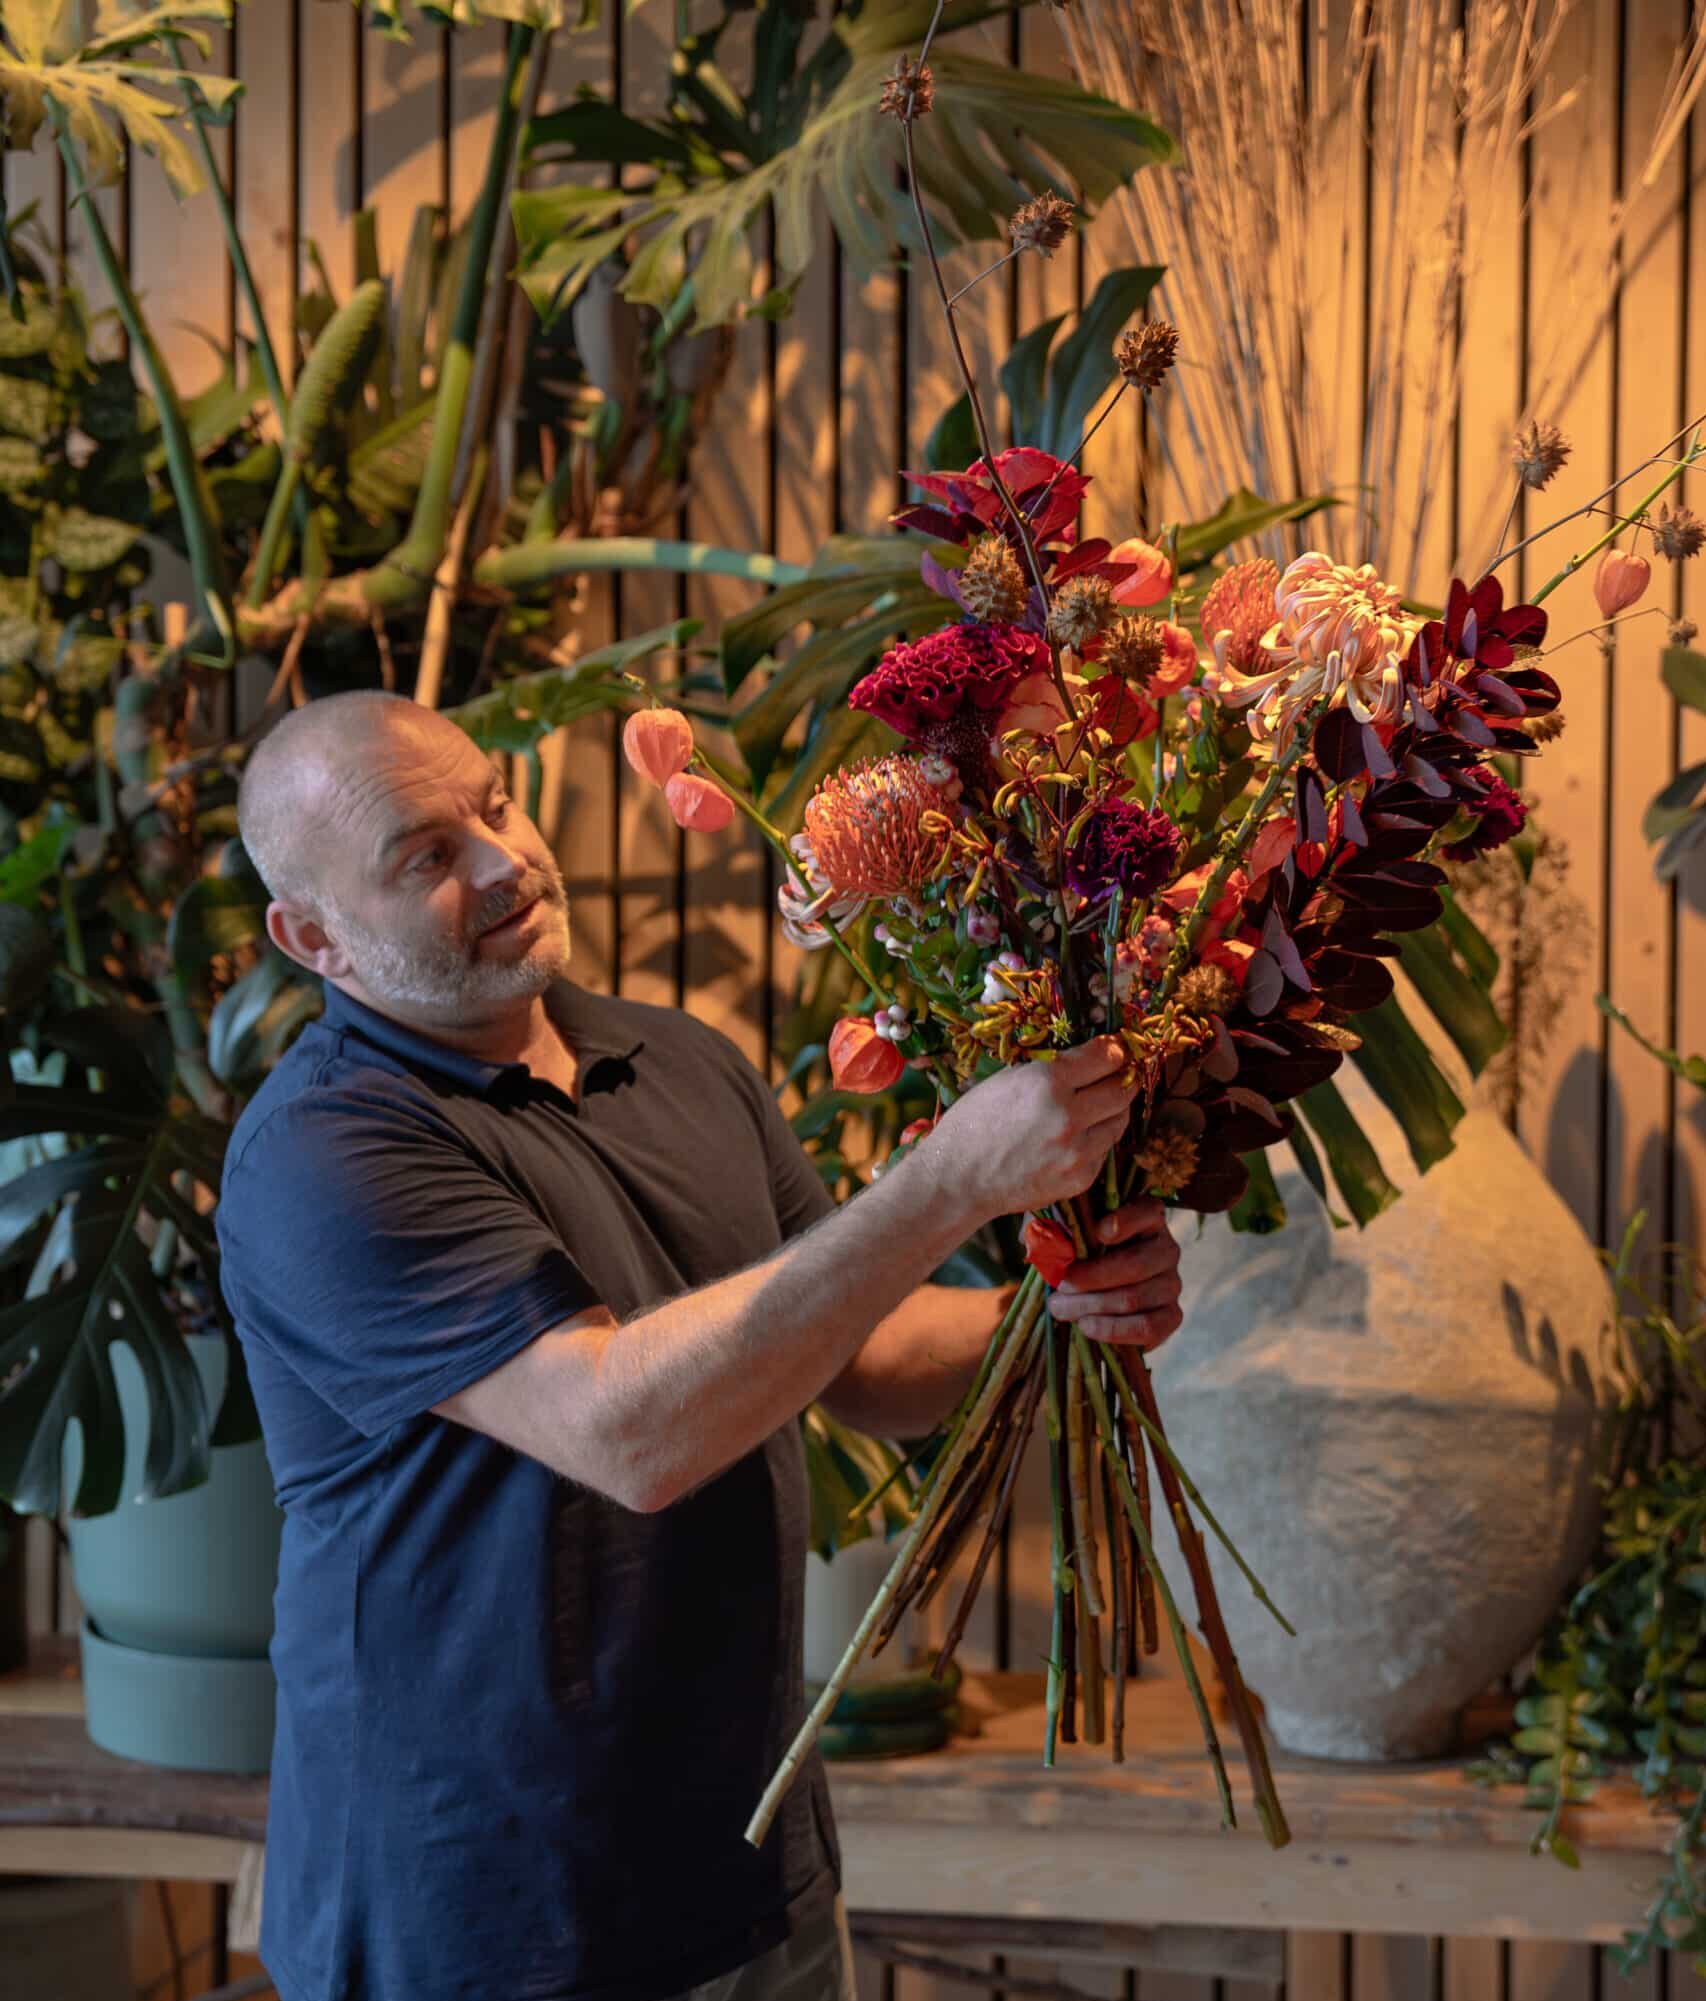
<point>177,1600</point>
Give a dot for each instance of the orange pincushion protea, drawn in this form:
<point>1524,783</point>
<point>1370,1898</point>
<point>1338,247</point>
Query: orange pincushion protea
<point>877,829</point>
<point>1237,613</point>
<point>1342,634</point>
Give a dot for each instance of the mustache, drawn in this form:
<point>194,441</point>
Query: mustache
<point>545,887</point>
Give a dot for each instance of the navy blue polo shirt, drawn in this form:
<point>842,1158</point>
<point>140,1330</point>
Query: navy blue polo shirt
<point>520,1728</point>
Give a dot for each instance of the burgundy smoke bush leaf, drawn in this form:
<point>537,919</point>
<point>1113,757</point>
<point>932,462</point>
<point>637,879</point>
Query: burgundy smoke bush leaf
<point>1419,769</point>
<point>1311,806</point>
<point>1253,1101</point>
<point>1350,822</point>
<point>943,581</point>
<point>1264,983</point>
<point>1277,942</point>
<point>1339,747</point>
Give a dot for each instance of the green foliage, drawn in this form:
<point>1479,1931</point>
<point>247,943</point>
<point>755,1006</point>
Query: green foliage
<point>801,136</point>
<point>1619,1683</point>
<point>122,83</point>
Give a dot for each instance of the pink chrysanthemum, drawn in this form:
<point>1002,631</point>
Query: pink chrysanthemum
<point>1341,634</point>
<point>866,825</point>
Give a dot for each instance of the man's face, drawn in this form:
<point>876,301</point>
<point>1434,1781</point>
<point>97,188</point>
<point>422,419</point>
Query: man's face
<point>438,891</point>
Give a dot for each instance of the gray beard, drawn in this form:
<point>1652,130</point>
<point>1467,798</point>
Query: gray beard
<point>445,978</point>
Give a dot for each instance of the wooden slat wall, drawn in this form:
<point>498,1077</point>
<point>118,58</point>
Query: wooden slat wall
<point>819,414</point>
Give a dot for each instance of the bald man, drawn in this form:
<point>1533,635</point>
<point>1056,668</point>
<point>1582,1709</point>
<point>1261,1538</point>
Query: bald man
<point>532,1285</point>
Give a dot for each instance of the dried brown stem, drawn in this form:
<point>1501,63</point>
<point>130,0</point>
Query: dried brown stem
<point>992,1535</point>
<point>1136,1383</point>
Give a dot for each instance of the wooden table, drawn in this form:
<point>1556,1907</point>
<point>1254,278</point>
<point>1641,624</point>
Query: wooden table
<point>980,1830</point>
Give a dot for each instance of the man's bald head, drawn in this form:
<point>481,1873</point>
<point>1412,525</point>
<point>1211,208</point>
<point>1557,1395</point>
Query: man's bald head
<point>287,803</point>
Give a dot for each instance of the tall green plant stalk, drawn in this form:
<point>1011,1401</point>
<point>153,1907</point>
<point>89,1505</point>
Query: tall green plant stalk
<point>196,508</point>
<point>406,575</point>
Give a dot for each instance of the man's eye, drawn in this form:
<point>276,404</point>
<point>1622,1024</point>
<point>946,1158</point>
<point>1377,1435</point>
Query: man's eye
<point>499,811</point>
<point>426,861</point>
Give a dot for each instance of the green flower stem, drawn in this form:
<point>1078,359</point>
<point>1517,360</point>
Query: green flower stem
<point>937,1487</point>
<point>785,854</point>
<point>1234,845</point>
<point>1672,475</point>
<point>1134,1514</point>
<point>189,485</point>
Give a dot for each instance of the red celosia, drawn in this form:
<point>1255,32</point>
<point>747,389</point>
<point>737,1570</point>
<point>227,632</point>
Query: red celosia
<point>947,689</point>
<point>1502,812</point>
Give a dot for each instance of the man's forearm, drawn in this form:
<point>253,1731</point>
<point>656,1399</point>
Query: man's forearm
<point>919,1361</point>
<point>688,1387</point>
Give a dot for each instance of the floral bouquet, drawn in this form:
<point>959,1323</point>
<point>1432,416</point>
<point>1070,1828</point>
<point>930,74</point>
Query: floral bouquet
<point>1193,819</point>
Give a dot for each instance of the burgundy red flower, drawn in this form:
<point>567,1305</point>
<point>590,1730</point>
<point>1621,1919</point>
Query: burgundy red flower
<point>1123,846</point>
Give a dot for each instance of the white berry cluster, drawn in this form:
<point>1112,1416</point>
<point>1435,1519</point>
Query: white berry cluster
<point>995,988</point>
<point>893,1024</point>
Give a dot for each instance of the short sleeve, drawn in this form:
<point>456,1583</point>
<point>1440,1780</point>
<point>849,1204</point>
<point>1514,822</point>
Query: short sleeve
<point>797,1190</point>
<point>378,1258</point>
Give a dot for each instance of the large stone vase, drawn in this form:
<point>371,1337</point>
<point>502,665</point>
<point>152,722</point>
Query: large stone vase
<point>1396,1425</point>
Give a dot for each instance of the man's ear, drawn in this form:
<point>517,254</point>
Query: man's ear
<point>300,936</point>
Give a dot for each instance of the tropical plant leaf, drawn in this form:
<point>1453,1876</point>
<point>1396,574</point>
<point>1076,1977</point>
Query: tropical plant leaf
<point>1355,1165</point>
<point>1454,996</point>
<point>1684,673</point>
<point>996,137</point>
<point>1241,514</point>
<point>122,83</point>
<point>1396,1063</point>
<point>1673,804</point>
<point>1082,367</point>
<point>518,714</point>
<point>135,1165</point>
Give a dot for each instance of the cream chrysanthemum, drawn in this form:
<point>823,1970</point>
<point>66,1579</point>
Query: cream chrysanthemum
<point>1341,634</point>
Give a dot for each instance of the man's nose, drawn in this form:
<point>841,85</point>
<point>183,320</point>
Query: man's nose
<point>495,864</point>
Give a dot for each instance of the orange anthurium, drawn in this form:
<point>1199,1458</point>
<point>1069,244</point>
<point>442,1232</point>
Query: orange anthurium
<point>860,1059</point>
<point>657,743</point>
<point>1049,1248</point>
<point>697,804</point>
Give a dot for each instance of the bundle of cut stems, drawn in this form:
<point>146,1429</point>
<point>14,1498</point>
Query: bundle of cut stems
<point>1104,1434</point>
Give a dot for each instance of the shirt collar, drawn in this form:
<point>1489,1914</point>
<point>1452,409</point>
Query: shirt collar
<point>572,1008</point>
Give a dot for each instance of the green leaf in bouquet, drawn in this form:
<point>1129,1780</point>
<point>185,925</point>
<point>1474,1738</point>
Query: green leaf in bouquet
<point>29,409</point>
<point>26,949</point>
<point>1303,1150</point>
<point>1355,1165</point>
<point>1454,996</point>
<point>821,672</point>
<point>1261,1208</point>
<point>1083,365</point>
<point>1395,1061</point>
<point>952,442</point>
<point>28,869</point>
<point>21,465</point>
<point>838,736</point>
<point>1239,515</point>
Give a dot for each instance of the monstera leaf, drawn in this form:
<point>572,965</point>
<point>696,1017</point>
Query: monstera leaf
<point>93,1230</point>
<point>802,137</point>
<point>123,82</point>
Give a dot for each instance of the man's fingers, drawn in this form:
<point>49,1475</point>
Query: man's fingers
<point>1149,1295</point>
<point>1149,1257</point>
<point>1144,1330</point>
<point>1141,1218</point>
<point>1100,1057</point>
<point>1107,1098</point>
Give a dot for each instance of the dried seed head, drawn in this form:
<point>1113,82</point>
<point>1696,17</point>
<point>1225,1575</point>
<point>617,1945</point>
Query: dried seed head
<point>1043,224</point>
<point>1145,353</point>
<point>1080,610</point>
<point>992,584</point>
<point>909,90</point>
<point>1207,990</point>
<point>1682,632</point>
<point>1133,648</point>
<point>1538,453</point>
<point>1678,532</point>
<point>1547,728</point>
<point>1168,1160</point>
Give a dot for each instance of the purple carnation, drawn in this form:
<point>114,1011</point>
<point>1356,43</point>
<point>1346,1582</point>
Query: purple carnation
<point>1502,814</point>
<point>1124,845</point>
